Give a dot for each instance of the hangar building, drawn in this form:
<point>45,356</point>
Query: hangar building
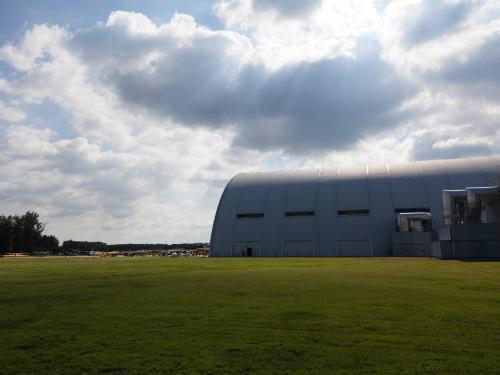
<point>443,208</point>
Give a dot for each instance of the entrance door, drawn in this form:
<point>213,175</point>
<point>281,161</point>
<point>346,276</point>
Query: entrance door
<point>246,249</point>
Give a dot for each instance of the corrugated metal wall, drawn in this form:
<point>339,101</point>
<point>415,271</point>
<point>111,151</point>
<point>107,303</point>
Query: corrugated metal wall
<point>348,211</point>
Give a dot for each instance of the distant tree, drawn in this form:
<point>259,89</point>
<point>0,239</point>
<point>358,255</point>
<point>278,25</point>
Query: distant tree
<point>6,234</point>
<point>49,243</point>
<point>31,231</point>
<point>24,233</point>
<point>83,246</point>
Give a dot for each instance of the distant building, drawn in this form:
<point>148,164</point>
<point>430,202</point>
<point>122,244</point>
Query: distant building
<point>368,210</point>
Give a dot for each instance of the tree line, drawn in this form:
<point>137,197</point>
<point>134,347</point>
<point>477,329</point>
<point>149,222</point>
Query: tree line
<point>24,233</point>
<point>86,246</point>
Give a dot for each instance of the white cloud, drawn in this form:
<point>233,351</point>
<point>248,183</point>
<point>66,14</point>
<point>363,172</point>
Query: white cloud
<point>72,178</point>
<point>11,113</point>
<point>191,75</point>
<point>293,32</point>
<point>159,116</point>
<point>134,23</point>
<point>415,48</point>
<point>37,45</point>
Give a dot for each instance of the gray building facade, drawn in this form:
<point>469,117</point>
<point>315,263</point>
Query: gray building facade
<point>335,212</point>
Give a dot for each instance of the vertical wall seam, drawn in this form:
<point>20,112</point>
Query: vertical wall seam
<point>370,213</point>
<point>391,193</point>
<point>497,176</point>
<point>480,170</point>
<point>283,217</point>
<point>426,190</point>
<point>445,173</point>
<point>316,211</point>
<point>337,182</point>
<point>266,206</point>
<point>235,220</point>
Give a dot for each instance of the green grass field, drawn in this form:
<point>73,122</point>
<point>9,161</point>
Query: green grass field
<point>246,316</point>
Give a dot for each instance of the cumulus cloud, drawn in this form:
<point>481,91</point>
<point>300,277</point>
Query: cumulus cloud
<point>477,72</point>
<point>438,146</point>
<point>72,179</point>
<point>93,178</point>
<point>37,46</point>
<point>284,34</point>
<point>157,117</point>
<point>415,47</point>
<point>123,165</point>
<point>57,75</point>
<point>327,104</point>
<point>204,78</point>
<point>189,76</point>
<point>10,113</point>
<point>434,19</point>
<point>287,8</point>
<point>456,127</point>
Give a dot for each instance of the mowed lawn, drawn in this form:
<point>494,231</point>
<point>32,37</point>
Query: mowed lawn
<point>246,316</point>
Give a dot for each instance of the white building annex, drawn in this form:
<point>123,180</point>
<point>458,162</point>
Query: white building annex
<point>368,210</point>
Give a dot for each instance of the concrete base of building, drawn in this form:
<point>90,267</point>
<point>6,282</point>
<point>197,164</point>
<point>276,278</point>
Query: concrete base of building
<point>462,241</point>
<point>412,244</point>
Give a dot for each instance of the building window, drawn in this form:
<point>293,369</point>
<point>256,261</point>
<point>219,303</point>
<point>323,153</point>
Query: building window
<point>299,213</point>
<point>249,215</point>
<point>416,209</point>
<point>352,212</point>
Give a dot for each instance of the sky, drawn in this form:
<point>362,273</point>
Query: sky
<point>122,121</point>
